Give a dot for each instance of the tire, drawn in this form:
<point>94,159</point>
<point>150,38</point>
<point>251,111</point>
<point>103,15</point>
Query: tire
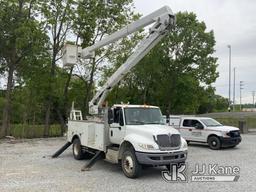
<point>77,149</point>
<point>214,142</point>
<point>87,155</point>
<point>130,166</point>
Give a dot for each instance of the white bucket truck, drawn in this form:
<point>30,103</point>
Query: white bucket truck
<point>132,135</point>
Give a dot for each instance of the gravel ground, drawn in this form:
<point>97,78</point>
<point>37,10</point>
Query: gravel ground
<point>26,165</point>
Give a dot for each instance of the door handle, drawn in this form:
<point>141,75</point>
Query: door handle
<point>117,128</point>
<point>190,129</point>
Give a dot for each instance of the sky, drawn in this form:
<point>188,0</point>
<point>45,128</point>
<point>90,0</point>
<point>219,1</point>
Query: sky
<point>233,23</point>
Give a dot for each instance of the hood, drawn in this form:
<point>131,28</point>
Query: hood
<point>151,129</point>
<point>224,128</point>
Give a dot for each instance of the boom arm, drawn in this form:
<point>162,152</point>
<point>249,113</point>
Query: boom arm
<point>163,20</point>
<point>163,12</point>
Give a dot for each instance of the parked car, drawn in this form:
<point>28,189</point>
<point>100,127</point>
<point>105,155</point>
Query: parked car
<point>210,131</point>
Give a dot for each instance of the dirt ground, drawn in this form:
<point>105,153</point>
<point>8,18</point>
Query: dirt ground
<point>26,165</point>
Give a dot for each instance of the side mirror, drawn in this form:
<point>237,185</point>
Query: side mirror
<point>110,116</point>
<point>199,126</point>
<point>121,119</point>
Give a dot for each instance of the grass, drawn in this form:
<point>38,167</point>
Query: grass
<point>234,121</point>
<point>34,131</point>
<point>233,118</point>
<point>250,122</point>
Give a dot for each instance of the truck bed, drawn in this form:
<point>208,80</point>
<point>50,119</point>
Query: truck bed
<point>91,133</point>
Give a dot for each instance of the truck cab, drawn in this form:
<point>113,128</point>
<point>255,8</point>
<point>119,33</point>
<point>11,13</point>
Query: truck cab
<point>144,126</point>
<point>208,130</point>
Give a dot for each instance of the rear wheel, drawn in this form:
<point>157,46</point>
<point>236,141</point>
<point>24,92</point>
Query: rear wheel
<point>130,166</point>
<point>214,142</point>
<point>77,149</point>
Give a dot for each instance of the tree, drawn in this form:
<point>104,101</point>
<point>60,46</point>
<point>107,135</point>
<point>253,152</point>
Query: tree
<point>177,71</point>
<point>96,19</point>
<point>57,18</point>
<point>189,50</point>
<point>21,38</point>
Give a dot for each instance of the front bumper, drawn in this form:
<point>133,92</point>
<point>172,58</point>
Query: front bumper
<point>230,141</point>
<point>161,158</point>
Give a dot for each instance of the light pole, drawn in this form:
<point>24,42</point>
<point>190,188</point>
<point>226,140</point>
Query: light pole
<point>229,76</point>
<point>241,87</point>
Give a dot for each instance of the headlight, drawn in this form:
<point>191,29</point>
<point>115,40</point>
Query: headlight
<point>184,145</point>
<point>226,134</point>
<point>146,146</point>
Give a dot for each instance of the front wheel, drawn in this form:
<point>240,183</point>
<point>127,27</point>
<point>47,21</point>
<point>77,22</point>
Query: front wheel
<point>214,142</point>
<point>130,166</point>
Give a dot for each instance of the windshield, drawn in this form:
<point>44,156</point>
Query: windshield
<point>211,122</point>
<point>137,116</point>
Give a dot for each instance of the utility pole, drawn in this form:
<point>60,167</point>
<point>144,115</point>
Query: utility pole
<point>241,87</point>
<point>253,95</point>
<point>234,90</point>
<point>229,84</point>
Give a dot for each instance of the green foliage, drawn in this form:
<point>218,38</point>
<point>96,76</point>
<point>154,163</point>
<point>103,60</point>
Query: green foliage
<point>1,106</point>
<point>95,18</point>
<point>23,43</point>
<point>177,74</point>
<point>233,120</point>
<point>22,39</point>
<point>34,131</point>
<point>93,21</point>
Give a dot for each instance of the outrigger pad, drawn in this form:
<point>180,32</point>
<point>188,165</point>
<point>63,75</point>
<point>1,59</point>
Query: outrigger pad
<point>61,150</point>
<point>98,155</point>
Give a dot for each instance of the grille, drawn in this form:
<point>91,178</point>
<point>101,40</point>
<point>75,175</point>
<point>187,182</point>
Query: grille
<point>234,133</point>
<point>168,141</point>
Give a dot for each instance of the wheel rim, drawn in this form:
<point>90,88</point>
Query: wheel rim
<point>214,143</point>
<point>76,150</point>
<point>128,164</point>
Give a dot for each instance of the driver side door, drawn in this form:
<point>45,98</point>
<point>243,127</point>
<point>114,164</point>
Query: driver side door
<point>117,127</point>
<point>197,131</point>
